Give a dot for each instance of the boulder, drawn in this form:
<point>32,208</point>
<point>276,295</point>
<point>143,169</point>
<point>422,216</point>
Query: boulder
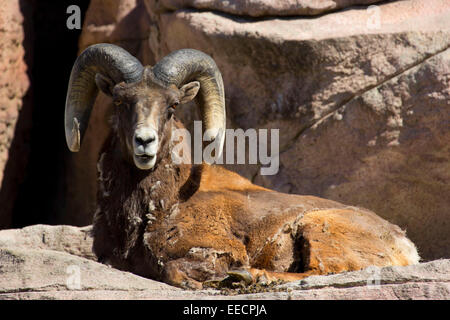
<point>261,8</point>
<point>361,97</point>
<point>69,239</point>
<point>44,274</point>
<point>58,269</point>
<point>422,281</point>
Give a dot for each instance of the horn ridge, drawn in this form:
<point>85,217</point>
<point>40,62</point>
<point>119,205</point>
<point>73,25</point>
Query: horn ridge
<point>185,65</point>
<point>107,59</point>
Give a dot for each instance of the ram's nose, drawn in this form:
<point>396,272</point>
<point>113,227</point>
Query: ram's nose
<point>144,141</point>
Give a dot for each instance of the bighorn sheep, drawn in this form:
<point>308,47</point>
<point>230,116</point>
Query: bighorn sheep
<point>186,224</point>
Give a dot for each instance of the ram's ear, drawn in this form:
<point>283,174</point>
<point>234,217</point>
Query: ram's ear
<point>105,84</point>
<point>189,91</point>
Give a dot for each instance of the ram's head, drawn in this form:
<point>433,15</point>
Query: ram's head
<point>144,97</point>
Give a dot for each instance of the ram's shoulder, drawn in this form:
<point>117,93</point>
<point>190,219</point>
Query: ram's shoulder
<point>217,178</point>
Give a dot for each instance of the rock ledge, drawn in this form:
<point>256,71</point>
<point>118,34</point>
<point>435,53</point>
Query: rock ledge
<point>55,262</point>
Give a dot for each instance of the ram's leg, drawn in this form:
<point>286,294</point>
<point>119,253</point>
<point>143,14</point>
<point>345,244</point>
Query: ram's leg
<point>102,245</point>
<point>342,240</point>
<point>200,265</point>
<point>339,240</point>
<point>176,274</point>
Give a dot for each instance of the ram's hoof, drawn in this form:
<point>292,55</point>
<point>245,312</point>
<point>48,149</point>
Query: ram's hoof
<point>212,284</point>
<point>235,279</point>
<point>240,275</point>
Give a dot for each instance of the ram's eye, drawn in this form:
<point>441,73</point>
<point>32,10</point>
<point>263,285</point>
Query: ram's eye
<point>171,109</point>
<point>118,102</point>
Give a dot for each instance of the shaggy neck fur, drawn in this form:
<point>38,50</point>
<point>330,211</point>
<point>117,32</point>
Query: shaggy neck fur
<point>133,201</point>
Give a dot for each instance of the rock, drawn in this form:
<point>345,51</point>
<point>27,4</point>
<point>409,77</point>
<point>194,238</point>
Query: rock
<point>406,291</point>
<point>435,271</point>
<point>422,281</point>
<point>14,84</point>
<point>259,8</point>
<point>360,97</point>
<point>44,274</point>
<point>69,239</point>
<point>123,22</point>
<point>31,269</point>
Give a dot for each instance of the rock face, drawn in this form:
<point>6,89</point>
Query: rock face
<point>14,84</point>
<point>361,96</point>
<point>260,8</point>
<point>53,262</point>
<point>73,240</point>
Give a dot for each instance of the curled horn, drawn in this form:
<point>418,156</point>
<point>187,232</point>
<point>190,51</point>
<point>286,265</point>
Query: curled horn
<point>185,65</point>
<point>107,61</point>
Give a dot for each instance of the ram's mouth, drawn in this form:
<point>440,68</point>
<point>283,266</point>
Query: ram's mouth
<point>145,161</point>
<point>145,157</point>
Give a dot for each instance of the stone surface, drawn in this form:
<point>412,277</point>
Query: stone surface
<point>40,270</point>
<point>73,240</point>
<point>14,84</point>
<point>259,8</point>
<point>435,271</point>
<point>122,22</point>
<point>361,97</point>
<point>31,269</point>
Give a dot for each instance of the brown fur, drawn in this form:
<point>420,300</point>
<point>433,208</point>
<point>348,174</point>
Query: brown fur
<point>212,220</point>
<point>186,224</point>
